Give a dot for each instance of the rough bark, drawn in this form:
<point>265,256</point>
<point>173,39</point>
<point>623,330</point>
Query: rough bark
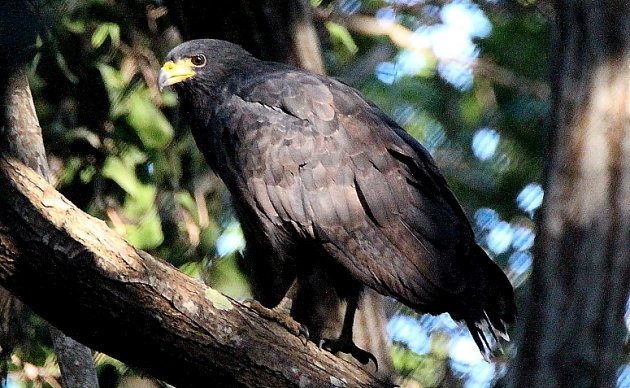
<point>22,138</point>
<point>75,361</point>
<point>11,333</point>
<point>22,135</point>
<point>13,53</point>
<point>573,332</point>
<point>284,31</point>
<point>87,281</point>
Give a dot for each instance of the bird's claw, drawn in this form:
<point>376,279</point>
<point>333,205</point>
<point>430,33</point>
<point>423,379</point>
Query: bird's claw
<point>348,347</point>
<point>303,333</point>
<point>298,329</point>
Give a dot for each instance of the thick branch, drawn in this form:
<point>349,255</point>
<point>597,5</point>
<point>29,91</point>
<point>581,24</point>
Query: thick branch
<point>86,280</point>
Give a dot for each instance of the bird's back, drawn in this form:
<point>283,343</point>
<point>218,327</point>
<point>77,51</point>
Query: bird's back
<point>313,166</point>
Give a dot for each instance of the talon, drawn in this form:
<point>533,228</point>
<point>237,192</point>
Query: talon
<point>365,357</point>
<point>296,328</point>
<point>348,347</point>
<point>303,333</point>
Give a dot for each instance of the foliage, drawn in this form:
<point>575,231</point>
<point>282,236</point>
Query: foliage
<point>118,151</point>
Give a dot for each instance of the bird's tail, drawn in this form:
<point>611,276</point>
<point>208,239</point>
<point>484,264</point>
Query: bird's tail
<point>495,298</point>
<point>480,330</point>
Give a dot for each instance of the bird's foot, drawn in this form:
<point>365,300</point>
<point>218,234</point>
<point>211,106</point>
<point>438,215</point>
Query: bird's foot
<point>345,345</point>
<point>278,314</point>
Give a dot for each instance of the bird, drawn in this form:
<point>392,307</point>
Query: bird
<point>325,184</point>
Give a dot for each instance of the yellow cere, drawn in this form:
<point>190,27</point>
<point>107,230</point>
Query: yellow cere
<point>174,72</point>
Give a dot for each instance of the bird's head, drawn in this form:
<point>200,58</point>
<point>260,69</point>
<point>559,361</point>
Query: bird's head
<point>200,62</point>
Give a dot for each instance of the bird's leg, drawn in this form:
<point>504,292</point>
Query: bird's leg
<point>280,313</point>
<point>287,301</point>
<point>344,343</point>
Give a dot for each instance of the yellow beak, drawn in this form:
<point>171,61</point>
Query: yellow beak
<point>174,72</point>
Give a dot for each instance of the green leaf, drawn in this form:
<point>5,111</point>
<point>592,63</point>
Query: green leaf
<point>72,25</point>
<point>185,200</point>
<point>139,203</point>
<point>114,83</point>
<point>153,129</point>
<point>124,175</point>
<point>103,31</point>
<point>147,233</point>
<point>341,36</point>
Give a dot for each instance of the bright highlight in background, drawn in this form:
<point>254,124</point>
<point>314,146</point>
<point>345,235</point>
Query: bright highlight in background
<point>231,240</point>
<point>485,143</point>
<point>463,350</point>
<point>405,329</point>
<point>500,237</point>
<point>623,379</point>
<point>530,198</point>
<point>386,72</point>
<point>486,218</point>
<point>450,42</point>
<point>468,18</point>
<point>523,238</point>
<point>518,264</point>
<point>349,6</point>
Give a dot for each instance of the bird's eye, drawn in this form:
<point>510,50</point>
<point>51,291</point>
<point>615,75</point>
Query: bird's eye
<point>198,60</point>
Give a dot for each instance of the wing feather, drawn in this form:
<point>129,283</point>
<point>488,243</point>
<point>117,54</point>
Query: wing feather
<point>353,180</point>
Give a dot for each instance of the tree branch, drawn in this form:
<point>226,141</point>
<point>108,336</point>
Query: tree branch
<point>22,138</point>
<point>90,283</point>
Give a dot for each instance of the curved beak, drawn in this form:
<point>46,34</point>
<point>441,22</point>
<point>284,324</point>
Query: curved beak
<point>174,72</point>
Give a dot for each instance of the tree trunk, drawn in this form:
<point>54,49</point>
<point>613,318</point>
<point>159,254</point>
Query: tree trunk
<point>572,324</point>
<point>89,282</point>
<point>22,138</point>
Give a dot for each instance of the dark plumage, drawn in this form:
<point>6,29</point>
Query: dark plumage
<point>324,182</point>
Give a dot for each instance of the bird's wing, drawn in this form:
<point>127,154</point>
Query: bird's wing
<point>320,159</point>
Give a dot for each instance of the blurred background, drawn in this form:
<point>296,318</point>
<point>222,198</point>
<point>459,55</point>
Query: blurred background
<point>467,79</point>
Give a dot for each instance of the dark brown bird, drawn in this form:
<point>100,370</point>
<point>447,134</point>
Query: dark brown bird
<point>323,182</point>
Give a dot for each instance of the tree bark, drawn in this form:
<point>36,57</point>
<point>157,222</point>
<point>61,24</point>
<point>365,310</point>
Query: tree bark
<point>22,138</point>
<point>572,324</point>
<point>13,53</point>
<point>90,283</point>
<point>75,361</point>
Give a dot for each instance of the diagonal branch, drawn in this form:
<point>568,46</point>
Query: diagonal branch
<point>83,278</point>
